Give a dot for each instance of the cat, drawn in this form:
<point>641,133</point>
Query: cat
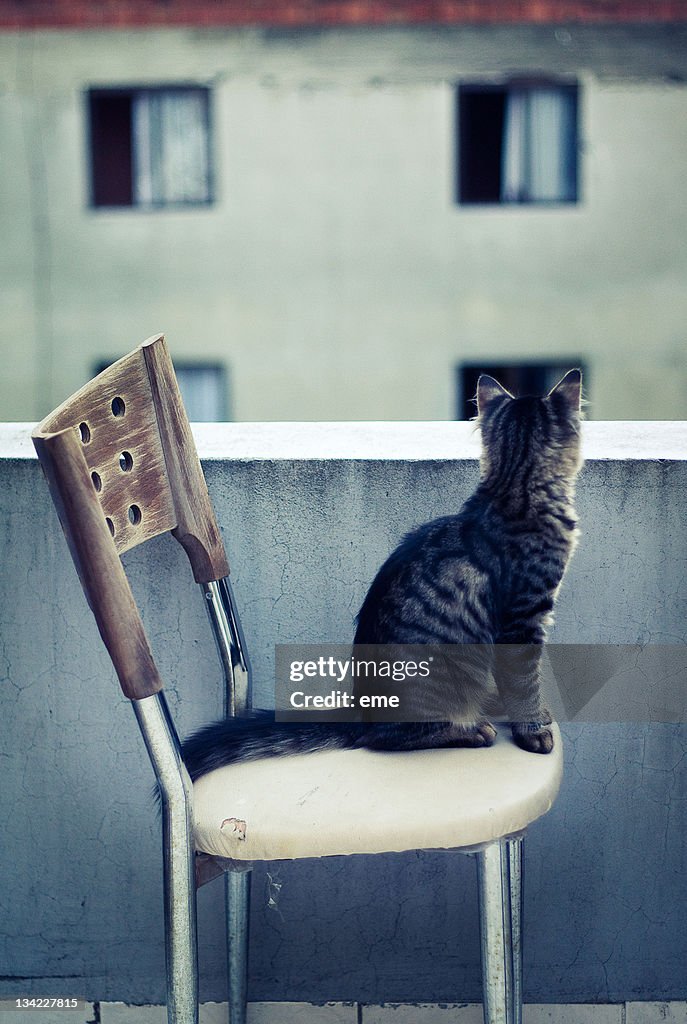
<point>486,577</point>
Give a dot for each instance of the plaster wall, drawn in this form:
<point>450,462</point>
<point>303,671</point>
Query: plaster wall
<point>334,274</point>
<point>308,514</point>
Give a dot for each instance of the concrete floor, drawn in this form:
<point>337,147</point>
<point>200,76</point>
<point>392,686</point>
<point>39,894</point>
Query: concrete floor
<point>354,1013</point>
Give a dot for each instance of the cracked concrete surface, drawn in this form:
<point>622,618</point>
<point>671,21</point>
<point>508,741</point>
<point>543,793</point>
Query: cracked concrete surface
<point>80,907</point>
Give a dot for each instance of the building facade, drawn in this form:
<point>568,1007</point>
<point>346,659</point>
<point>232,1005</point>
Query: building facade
<point>344,211</point>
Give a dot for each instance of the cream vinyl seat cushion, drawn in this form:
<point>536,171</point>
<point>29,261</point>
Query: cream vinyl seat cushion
<point>364,801</point>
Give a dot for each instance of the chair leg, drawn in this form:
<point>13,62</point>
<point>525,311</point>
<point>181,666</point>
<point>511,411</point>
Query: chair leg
<point>178,856</point>
<point>180,918</point>
<point>237,891</point>
<point>500,894</point>
<point>514,849</point>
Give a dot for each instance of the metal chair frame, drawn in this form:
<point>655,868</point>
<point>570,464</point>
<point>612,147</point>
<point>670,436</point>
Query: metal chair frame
<point>97,532</point>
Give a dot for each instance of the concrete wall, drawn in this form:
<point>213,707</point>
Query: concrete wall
<point>308,514</point>
<point>334,274</point>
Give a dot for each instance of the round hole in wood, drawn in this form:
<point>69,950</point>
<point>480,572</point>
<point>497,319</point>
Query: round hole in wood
<point>134,514</point>
<point>118,407</point>
<point>126,462</point>
<point>110,525</point>
<point>97,482</point>
<point>84,433</point>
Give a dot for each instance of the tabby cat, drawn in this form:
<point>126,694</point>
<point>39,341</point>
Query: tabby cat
<point>486,577</point>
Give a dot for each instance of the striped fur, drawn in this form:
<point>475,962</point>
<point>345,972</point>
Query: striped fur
<point>490,574</point>
<point>487,576</point>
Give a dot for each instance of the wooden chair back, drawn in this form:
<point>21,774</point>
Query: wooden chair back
<point>122,467</point>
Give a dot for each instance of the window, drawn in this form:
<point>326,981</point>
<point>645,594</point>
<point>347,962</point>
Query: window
<point>149,147</point>
<point>203,389</point>
<point>518,378</point>
<point>517,143</point>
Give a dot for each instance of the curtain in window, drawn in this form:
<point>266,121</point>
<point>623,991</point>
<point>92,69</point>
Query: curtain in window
<point>538,161</point>
<point>202,390</point>
<point>170,147</point>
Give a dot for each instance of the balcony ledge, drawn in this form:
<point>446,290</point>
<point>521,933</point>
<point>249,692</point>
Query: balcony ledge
<point>615,440</point>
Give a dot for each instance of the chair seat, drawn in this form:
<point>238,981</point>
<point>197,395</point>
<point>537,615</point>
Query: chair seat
<point>363,801</point>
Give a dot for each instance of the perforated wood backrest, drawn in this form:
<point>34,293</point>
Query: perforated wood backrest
<point>122,467</point>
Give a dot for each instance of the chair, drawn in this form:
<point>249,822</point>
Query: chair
<point>122,468</point>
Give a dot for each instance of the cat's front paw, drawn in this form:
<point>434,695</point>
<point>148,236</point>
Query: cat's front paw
<point>485,734</point>
<point>533,737</point>
<point>481,735</point>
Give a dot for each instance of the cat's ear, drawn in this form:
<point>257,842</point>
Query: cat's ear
<point>489,389</point>
<point>570,388</point>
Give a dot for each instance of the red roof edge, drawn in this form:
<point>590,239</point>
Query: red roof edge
<point>86,14</point>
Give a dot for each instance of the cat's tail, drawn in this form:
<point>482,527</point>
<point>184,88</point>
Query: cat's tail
<point>257,735</point>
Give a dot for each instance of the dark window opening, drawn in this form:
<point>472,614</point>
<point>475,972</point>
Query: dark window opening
<point>481,133</point>
<point>519,378</point>
<point>517,143</point>
<point>112,183</point>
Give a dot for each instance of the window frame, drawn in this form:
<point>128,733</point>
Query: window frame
<point>464,89</point>
<point>94,92</point>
